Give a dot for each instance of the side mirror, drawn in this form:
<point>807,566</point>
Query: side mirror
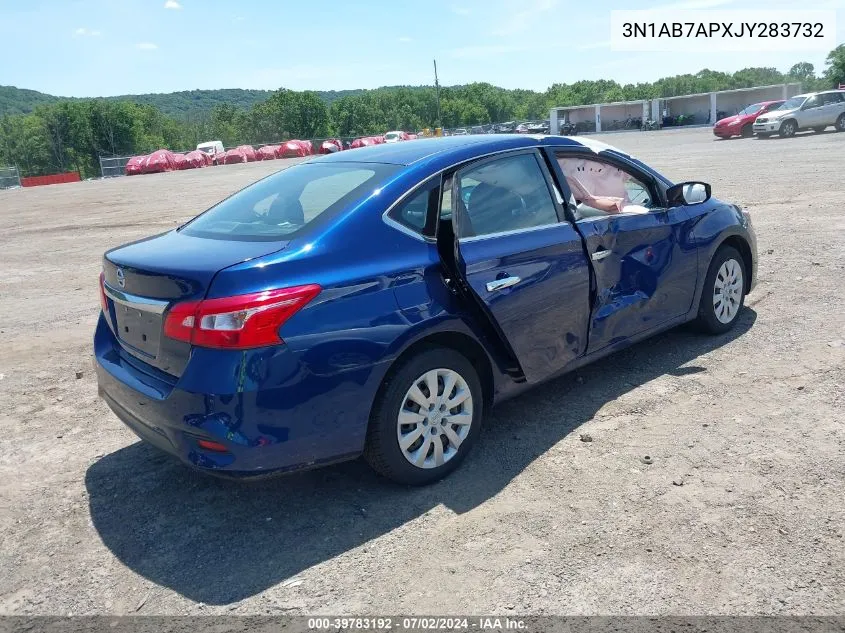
<point>688,193</point>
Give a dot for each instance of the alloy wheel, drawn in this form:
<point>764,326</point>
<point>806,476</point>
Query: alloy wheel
<point>435,418</point>
<point>727,291</point>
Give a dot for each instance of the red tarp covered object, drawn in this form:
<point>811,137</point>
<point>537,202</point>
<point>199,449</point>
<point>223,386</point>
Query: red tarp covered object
<point>160,160</point>
<point>361,142</point>
<point>268,152</point>
<point>197,159</point>
<point>330,146</point>
<point>240,154</point>
<point>179,162</point>
<point>248,151</point>
<point>293,149</point>
<point>135,165</point>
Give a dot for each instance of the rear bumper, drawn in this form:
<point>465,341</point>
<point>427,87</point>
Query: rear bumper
<point>268,407</point>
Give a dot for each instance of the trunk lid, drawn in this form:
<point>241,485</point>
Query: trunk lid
<point>144,278</point>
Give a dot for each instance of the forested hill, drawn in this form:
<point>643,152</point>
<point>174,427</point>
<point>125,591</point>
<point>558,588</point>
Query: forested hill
<point>176,104</point>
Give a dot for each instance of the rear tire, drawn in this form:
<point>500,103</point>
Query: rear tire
<point>747,131</point>
<point>788,128</point>
<point>404,411</point>
<point>723,296</point>
<point>840,123</point>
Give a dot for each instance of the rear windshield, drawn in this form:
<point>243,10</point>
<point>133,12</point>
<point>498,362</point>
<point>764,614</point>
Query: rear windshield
<point>285,203</point>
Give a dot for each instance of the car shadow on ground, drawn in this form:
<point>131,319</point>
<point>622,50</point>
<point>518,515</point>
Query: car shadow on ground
<point>219,542</point>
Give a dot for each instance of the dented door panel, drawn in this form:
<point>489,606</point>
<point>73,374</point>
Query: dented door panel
<point>647,276</point>
<point>544,314</point>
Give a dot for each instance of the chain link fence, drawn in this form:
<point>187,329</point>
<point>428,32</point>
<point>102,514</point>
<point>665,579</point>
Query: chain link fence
<point>111,166</point>
<point>9,177</point>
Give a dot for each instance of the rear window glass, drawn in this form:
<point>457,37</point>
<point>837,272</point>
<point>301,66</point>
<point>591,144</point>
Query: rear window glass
<point>284,204</point>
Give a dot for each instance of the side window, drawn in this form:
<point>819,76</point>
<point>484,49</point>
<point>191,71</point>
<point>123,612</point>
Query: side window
<point>601,189</point>
<point>813,102</point>
<point>413,211</point>
<point>831,98</point>
<point>507,194</point>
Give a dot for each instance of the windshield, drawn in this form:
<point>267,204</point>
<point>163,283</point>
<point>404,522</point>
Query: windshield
<point>285,203</point>
<point>792,104</point>
<point>752,109</point>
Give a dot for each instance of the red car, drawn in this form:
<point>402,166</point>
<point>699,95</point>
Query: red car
<point>741,124</point>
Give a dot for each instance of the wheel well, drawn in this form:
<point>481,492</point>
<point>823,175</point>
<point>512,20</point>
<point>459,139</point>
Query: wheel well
<point>461,343</point>
<point>745,250</point>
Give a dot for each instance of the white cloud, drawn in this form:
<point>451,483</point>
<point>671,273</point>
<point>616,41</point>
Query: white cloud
<point>172,4</point>
<point>405,39</point>
<point>460,10</point>
<point>83,32</point>
<point>147,46</point>
<point>526,15</point>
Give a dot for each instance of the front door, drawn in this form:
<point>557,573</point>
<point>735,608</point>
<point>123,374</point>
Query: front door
<point>644,273</point>
<point>525,268</point>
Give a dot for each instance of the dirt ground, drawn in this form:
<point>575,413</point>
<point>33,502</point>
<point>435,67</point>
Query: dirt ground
<point>741,512</point>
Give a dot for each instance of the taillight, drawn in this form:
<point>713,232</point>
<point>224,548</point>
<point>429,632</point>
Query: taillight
<point>238,322</point>
<point>104,302</point>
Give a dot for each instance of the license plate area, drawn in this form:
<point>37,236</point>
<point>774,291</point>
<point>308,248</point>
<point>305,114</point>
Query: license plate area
<point>138,329</point>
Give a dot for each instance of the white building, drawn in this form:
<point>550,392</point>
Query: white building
<point>705,108</point>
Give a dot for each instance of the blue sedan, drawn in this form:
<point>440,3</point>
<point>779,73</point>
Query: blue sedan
<point>379,301</point>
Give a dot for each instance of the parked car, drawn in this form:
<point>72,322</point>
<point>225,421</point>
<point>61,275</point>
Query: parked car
<point>266,336</point>
<point>742,123</point>
<point>214,149</point>
<point>813,111</point>
<point>395,137</point>
<point>459,132</point>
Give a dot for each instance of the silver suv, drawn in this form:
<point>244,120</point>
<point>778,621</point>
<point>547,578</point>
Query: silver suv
<point>814,111</point>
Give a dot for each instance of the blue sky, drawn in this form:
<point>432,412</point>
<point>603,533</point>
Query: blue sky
<point>109,47</point>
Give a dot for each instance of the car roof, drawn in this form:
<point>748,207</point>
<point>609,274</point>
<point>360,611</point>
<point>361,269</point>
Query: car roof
<point>409,152</point>
<point>818,92</point>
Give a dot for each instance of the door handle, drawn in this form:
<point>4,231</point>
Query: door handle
<point>501,284</point>
<point>600,255</point>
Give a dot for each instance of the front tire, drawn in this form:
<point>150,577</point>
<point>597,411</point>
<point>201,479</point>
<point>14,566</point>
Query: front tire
<point>788,129</point>
<point>723,296</point>
<point>747,131</point>
<point>840,123</point>
<point>426,417</point>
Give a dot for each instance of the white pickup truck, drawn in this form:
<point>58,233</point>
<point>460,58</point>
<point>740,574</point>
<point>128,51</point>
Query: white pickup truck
<point>813,111</point>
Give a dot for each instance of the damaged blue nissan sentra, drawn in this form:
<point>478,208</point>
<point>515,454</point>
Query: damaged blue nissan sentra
<point>379,301</point>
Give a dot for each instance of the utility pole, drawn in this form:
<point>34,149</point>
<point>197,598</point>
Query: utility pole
<point>437,88</point>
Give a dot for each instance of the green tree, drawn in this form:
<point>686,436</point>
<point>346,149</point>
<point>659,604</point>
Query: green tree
<point>835,71</point>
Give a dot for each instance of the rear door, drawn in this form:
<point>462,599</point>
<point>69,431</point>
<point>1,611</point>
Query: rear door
<point>832,108</point>
<point>644,273</point>
<point>523,265</point>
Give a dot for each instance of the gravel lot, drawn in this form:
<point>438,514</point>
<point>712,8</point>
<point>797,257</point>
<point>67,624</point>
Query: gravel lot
<point>741,512</point>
